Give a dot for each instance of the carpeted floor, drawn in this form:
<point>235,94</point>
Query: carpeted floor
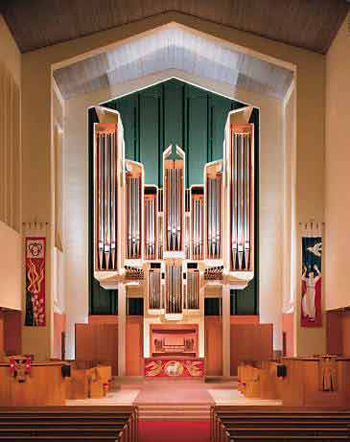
<point>174,392</point>
<point>174,431</point>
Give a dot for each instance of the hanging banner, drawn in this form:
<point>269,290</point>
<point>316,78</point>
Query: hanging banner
<point>311,278</point>
<point>35,281</point>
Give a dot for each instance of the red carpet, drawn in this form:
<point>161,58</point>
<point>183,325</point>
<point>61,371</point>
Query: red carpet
<point>174,431</point>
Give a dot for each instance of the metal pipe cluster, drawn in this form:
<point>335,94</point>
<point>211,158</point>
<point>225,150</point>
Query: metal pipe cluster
<point>240,201</point>
<point>133,201</point>
<point>214,217</point>
<point>213,273</point>
<point>150,228</point>
<point>134,273</point>
<point>197,228</point>
<point>107,201</point>
<point>174,288</point>
<point>193,290</point>
<point>154,290</point>
<point>174,208</point>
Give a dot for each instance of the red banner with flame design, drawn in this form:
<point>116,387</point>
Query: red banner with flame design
<point>35,281</point>
<point>174,368</point>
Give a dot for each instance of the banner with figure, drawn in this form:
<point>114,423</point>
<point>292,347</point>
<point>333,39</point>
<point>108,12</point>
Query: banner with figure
<point>35,281</point>
<point>311,278</point>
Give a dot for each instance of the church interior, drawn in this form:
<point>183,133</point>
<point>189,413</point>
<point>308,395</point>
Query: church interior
<point>173,220</point>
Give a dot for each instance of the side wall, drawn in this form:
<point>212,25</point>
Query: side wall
<point>10,172</point>
<point>337,204</point>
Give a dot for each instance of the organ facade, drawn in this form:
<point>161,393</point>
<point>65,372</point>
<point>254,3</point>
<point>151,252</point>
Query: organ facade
<point>173,243</point>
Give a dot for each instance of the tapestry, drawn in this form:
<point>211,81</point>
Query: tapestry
<point>35,281</point>
<point>311,278</point>
<point>166,368</point>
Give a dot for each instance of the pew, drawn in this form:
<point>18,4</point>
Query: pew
<point>70,423</point>
<point>231,424</point>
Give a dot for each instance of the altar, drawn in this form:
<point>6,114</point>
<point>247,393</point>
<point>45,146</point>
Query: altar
<point>174,352</point>
<point>174,368</point>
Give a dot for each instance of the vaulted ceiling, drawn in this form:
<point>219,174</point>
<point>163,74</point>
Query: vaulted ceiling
<point>173,47</point>
<point>309,24</point>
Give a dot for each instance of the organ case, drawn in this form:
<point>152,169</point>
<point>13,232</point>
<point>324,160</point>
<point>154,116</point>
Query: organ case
<point>108,154</point>
<point>239,190</point>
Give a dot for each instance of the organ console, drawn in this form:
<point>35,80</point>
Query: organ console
<point>172,242</point>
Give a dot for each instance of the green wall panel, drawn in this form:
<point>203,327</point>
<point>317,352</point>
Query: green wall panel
<point>174,112</point>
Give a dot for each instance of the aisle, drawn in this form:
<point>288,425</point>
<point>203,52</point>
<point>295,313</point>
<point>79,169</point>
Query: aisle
<point>174,431</point>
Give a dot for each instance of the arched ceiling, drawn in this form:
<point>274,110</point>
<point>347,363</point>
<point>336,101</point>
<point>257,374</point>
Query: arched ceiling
<point>309,24</point>
<point>173,47</point>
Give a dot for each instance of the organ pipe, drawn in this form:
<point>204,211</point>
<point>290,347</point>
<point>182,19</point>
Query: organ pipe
<point>133,206</point>
<point>213,215</point>
<point>174,212</point>
<point>174,288</point>
<point>241,198</point>
<point>154,289</point>
<point>192,300</point>
<point>150,224</point>
<point>106,194</point>
<point>197,214</point>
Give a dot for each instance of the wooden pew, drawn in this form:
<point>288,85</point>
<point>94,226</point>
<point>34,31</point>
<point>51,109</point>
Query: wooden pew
<point>230,424</point>
<point>70,423</point>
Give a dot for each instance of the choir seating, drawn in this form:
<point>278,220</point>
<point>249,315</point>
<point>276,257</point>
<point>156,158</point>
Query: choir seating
<point>88,380</point>
<point>118,423</point>
<point>230,424</point>
<point>259,380</point>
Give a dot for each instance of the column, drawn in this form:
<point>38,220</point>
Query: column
<point>226,353</point>
<point>121,329</point>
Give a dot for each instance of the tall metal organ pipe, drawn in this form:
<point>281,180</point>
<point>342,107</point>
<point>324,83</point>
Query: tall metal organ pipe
<point>174,209</point>
<point>133,186</point>
<point>107,200</point>
<point>240,200</point>
<point>174,288</point>
<point>214,216</point>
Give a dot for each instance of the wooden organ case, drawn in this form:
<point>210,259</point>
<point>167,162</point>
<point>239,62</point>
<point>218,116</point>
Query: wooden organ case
<point>172,242</point>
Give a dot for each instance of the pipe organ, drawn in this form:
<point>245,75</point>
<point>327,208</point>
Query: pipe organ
<point>173,242</point>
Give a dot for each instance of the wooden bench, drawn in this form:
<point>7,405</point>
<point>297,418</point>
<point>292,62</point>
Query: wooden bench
<point>70,423</point>
<point>229,424</point>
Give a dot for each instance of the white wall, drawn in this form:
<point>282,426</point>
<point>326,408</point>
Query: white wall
<point>10,172</point>
<point>271,185</point>
<point>10,268</point>
<point>337,205</point>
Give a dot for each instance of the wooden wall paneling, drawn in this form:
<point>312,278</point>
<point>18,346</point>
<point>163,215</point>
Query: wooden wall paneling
<point>97,342</point>
<point>103,319</point>
<point>250,342</point>
<point>334,341</point>
<point>345,333</point>
<point>13,332</point>
<point>244,319</point>
<point>2,336</point>
<point>134,345</point>
<point>213,345</point>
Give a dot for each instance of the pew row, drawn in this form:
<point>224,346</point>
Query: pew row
<point>118,423</point>
<point>231,425</point>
